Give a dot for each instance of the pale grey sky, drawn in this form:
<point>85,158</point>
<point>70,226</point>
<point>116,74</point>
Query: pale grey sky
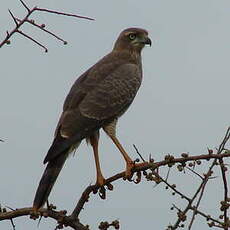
<point>182,106</point>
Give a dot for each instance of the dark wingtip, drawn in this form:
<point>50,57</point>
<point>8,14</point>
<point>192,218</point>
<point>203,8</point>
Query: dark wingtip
<point>59,145</point>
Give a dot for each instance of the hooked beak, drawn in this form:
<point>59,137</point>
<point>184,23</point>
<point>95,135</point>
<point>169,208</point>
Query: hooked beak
<point>148,41</point>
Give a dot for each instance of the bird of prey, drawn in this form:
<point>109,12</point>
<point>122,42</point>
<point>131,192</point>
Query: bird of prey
<point>96,100</point>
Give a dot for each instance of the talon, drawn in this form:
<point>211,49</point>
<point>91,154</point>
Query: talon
<point>102,193</point>
<point>138,179</point>
<point>130,165</point>
<point>109,186</point>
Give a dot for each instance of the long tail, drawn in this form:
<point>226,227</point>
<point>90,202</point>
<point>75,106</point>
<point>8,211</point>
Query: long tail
<point>48,179</point>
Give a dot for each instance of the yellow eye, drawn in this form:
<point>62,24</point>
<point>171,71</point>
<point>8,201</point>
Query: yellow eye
<point>132,36</point>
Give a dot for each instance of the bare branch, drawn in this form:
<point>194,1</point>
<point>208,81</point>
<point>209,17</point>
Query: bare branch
<point>41,27</point>
<point>25,5</point>
<point>207,217</point>
<point>61,13</point>
<point>197,205</point>
<point>225,140</point>
<point>13,17</point>
<point>20,22</point>
<point>93,188</point>
<point>137,151</point>
<point>12,223</point>
<point>60,216</point>
<point>193,171</point>
<point>73,221</point>
<point>224,204</point>
<point>30,38</point>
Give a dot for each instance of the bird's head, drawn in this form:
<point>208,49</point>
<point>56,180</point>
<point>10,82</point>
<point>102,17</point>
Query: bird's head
<point>133,39</point>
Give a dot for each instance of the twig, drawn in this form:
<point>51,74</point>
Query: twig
<point>30,38</point>
<point>204,181</point>
<point>168,172</point>
<point>45,30</point>
<point>137,151</point>
<point>12,223</point>
<point>25,5</point>
<point>172,187</point>
<point>162,179</point>
<point>72,220</point>
<point>223,173</point>
<point>225,140</point>
<point>65,14</point>
<point>207,217</point>
<point>193,171</point>
<point>188,207</point>
<point>57,215</point>
<point>20,22</point>
<point>85,195</point>
<point>13,17</point>
<point>197,205</point>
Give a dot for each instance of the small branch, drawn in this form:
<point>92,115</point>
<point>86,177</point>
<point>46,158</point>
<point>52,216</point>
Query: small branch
<point>30,38</point>
<point>204,182</point>
<point>15,21</point>
<point>225,140</point>
<point>137,151</point>
<point>207,217</point>
<point>193,171</point>
<point>196,207</point>
<point>25,5</point>
<point>188,207</point>
<point>12,223</point>
<point>20,22</point>
<point>172,187</point>
<point>72,220</point>
<point>223,173</point>
<point>92,188</point>
<point>59,216</point>
<point>41,27</point>
<point>65,14</point>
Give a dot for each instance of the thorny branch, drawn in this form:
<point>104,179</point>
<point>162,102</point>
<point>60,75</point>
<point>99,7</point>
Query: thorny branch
<point>72,220</point>
<point>225,203</point>
<point>19,22</point>
<point>182,214</point>
<point>59,216</point>
<point>92,188</point>
<point>197,205</point>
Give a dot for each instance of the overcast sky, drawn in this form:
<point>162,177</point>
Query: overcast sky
<point>182,106</point>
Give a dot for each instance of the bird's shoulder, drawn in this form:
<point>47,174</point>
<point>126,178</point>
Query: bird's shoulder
<point>97,73</point>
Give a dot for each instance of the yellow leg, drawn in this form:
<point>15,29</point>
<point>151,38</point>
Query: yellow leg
<point>110,130</point>
<point>94,142</point>
<point>129,162</point>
